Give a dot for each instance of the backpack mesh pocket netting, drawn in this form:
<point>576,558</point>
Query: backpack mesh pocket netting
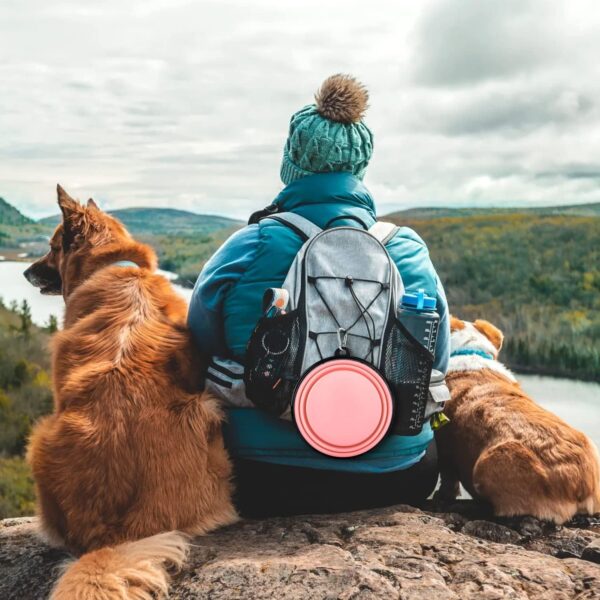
<point>274,362</point>
<point>406,365</point>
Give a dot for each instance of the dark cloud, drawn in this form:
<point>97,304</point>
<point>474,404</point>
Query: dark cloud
<point>514,110</point>
<point>460,42</point>
<point>572,171</point>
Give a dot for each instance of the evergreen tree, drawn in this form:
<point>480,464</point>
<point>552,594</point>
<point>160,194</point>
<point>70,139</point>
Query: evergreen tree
<point>52,324</point>
<point>25,316</point>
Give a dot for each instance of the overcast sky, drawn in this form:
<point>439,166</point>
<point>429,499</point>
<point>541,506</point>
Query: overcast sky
<point>186,104</point>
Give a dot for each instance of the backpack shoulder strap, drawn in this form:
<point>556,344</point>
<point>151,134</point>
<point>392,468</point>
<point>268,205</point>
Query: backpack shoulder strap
<point>383,231</point>
<point>303,227</point>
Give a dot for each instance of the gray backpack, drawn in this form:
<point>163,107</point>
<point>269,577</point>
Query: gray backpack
<point>344,292</point>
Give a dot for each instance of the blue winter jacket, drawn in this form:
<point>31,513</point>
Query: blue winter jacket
<point>227,303</point>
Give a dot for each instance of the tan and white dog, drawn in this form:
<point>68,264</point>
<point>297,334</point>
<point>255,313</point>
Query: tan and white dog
<point>502,446</point>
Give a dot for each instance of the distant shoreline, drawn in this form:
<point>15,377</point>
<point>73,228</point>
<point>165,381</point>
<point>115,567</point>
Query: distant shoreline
<point>551,372</point>
<point>14,255</point>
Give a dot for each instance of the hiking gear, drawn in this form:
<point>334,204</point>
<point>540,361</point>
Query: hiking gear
<point>420,318</point>
<point>329,136</point>
<point>439,420</point>
<point>267,490</point>
<point>226,305</point>
<point>439,393</point>
<point>343,407</point>
<point>275,302</point>
<point>255,217</point>
<point>343,290</point>
<point>317,145</point>
<point>417,314</point>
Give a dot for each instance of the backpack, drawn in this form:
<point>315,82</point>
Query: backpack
<point>335,329</point>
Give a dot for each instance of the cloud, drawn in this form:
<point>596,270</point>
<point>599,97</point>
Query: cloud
<point>460,42</point>
<point>173,102</point>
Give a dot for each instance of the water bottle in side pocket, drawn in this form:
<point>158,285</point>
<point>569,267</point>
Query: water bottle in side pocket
<point>419,319</point>
<point>418,314</point>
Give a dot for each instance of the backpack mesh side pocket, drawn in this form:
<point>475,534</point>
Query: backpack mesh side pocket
<point>274,362</point>
<point>407,366</point>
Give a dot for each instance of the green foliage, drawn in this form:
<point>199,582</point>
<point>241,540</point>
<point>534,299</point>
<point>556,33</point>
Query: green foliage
<point>25,395</point>
<point>186,254</point>
<point>536,277</point>
<point>16,488</point>
<point>25,317</point>
<point>52,326</point>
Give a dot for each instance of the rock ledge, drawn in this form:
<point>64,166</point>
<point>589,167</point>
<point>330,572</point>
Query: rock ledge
<point>397,552</point>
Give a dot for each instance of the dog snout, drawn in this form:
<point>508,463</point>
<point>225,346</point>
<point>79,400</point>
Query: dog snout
<point>31,276</point>
<point>40,275</point>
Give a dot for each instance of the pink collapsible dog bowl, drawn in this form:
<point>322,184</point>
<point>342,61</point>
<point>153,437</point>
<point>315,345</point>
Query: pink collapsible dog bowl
<point>343,407</point>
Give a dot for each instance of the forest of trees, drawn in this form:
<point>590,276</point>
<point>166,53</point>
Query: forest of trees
<point>536,277</point>
<point>25,395</point>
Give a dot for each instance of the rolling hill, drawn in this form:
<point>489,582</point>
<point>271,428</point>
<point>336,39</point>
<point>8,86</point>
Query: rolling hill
<point>9,215</point>
<point>181,238</point>
<point>16,229</point>
<point>434,212</point>
<point>163,221</point>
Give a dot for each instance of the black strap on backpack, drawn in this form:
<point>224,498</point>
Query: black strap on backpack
<point>301,234</point>
<point>268,211</point>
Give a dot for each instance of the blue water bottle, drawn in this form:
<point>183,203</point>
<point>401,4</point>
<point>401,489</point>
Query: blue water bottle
<point>417,315</point>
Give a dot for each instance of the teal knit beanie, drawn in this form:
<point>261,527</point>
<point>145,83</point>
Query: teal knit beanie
<point>329,135</point>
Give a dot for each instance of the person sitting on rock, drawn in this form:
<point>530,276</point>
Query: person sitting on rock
<point>276,473</point>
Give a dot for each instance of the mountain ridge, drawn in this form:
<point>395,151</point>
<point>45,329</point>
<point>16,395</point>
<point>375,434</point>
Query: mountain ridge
<point>435,212</point>
<point>163,221</point>
<point>167,220</point>
<point>10,215</point>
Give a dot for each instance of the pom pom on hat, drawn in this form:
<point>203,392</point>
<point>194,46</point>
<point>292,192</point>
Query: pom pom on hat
<point>342,98</point>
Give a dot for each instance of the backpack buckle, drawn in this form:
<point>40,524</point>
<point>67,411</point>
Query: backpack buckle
<point>342,349</point>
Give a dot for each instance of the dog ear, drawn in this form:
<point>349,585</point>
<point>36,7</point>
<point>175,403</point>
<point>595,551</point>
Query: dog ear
<point>456,324</point>
<point>491,332</point>
<point>92,204</point>
<point>68,205</point>
<point>76,220</point>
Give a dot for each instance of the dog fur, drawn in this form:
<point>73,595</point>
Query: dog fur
<point>132,460</point>
<point>502,446</point>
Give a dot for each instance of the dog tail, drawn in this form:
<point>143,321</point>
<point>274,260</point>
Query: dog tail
<point>131,571</point>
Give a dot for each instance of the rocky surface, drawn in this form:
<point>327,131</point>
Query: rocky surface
<point>399,552</point>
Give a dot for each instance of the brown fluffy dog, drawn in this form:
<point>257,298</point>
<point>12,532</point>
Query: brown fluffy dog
<point>505,448</point>
<point>132,449</point>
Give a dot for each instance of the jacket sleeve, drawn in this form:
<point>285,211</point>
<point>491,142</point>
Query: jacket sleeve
<point>219,275</point>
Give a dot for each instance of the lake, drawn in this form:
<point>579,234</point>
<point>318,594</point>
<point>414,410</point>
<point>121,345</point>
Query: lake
<point>13,286</point>
<point>577,402</point>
